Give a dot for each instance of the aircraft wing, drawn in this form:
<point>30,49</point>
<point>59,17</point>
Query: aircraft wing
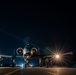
<point>49,55</point>
<point>41,56</point>
<point>9,56</point>
<point>6,56</point>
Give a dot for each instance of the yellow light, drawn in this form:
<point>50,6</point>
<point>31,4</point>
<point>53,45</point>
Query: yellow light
<point>57,56</point>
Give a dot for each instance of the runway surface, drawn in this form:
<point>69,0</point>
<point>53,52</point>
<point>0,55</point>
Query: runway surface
<point>37,71</point>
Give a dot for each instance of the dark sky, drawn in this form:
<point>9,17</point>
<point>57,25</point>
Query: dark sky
<point>46,24</point>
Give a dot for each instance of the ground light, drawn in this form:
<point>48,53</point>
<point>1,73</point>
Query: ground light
<point>22,65</point>
<point>31,65</point>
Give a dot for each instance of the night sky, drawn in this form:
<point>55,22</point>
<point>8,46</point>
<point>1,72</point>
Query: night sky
<point>43,23</point>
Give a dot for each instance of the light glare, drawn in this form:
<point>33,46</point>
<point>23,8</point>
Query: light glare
<point>57,56</point>
<point>22,65</point>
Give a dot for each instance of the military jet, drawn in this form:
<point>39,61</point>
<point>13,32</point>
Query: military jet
<point>32,52</point>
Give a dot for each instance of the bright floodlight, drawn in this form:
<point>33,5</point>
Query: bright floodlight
<point>22,65</point>
<point>57,56</point>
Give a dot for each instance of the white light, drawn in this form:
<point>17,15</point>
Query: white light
<point>31,65</point>
<point>57,56</point>
<point>24,51</point>
<point>22,65</point>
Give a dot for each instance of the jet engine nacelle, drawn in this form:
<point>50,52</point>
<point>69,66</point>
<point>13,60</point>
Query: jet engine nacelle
<point>19,51</point>
<point>33,51</point>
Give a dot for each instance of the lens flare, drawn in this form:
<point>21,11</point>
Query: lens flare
<point>59,56</point>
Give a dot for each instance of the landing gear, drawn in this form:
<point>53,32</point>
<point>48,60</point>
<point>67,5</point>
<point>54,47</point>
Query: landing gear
<point>27,63</point>
<point>40,62</point>
<point>48,62</point>
<point>13,64</point>
<point>14,61</point>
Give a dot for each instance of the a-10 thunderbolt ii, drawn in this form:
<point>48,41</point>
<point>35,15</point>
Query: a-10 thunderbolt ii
<point>32,52</point>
